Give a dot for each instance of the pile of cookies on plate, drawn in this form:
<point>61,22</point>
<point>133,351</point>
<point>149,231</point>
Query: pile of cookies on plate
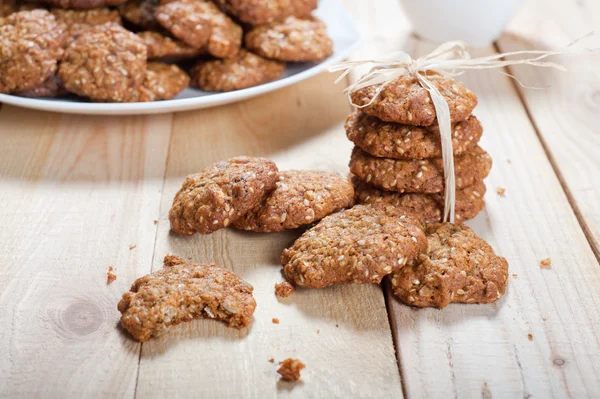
<point>397,158</point>
<point>149,50</point>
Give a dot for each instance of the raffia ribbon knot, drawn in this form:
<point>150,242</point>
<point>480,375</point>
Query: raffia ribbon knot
<point>451,58</point>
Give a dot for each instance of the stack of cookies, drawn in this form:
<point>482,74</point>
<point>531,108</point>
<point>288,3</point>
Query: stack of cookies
<point>397,157</point>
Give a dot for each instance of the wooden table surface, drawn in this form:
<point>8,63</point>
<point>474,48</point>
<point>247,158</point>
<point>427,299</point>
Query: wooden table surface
<point>77,191</point>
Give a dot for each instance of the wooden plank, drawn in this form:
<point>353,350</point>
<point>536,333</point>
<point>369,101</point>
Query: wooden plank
<point>566,113</point>
<point>76,192</point>
<point>484,350</point>
<point>341,334</point>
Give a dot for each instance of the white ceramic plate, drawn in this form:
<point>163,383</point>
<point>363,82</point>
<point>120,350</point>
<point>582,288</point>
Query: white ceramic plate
<point>340,27</point>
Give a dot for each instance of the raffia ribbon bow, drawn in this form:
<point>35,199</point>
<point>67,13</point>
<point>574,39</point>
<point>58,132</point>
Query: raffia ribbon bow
<point>451,58</point>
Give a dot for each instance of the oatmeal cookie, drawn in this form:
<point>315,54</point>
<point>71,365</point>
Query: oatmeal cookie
<point>358,245</point>
<point>162,47</point>
<point>242,71</point>
<point>140,13</point>
<point>221,193</point>
<point>184,292</point>
<point>293,40</point>
<point>78,21</point>
<point>162,82</point>
<point>83,4</point>
<point>258,12</point>
<point>405,101</point>
<point>427,208</point>
<point>394,140</point>
<point>301,197</point>
<point>419,176</point>
<point>30,46</point>
<point>458,266</point>
<point>189,21</point>
<point>290,369</point>
<point>225,38</point>
<point>105,63</point>
<point>50,88</point>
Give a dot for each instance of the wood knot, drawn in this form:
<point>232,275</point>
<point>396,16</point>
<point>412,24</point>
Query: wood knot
<point>80,318</point>
<point>559,361</point>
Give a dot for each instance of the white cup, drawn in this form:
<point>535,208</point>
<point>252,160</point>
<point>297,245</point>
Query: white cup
<point>476,22</point>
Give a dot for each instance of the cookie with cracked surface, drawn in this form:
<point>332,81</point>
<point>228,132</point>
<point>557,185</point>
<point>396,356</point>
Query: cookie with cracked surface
<point>404,100</point>
<point>189,21</point>
<point>161,47</point>
<point>419,175</point>
<point>140,13</point>
<point>30,47</point>
<point>258,12</point>
<point>301,197</point>
<point>244,70</point>
<point>292,40</point>
<point>183,292</point>
<point>362,244</point>
<point>221,193</point>
<point>458,266</point>
<point>428,208</point>
<point>105,63</point>
<point>398,141</point>
<point>50,88</point>
<point>225,39</point>
<point>83,4</point>
<point>77,21</point>
<point>162,82</point>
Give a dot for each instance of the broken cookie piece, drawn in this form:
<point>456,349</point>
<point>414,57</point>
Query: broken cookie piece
<point>290,369</point>
<point>284,289</point>
<point>458,266</point>
<point>358,245</point>
<point>220,194</point>
<point>183,292</point>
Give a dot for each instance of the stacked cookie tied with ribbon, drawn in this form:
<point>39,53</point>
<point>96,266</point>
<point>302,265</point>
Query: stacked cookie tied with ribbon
<point>397,158</point>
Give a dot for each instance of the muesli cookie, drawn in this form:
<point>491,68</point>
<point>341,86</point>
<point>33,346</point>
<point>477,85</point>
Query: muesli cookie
<point>140,13</point>
<point>358,245</point>
<point>184,292</point>
<point>419,176</point>
<point>225,39</point>
<point>296,39</point>
<point>162,82</point>
<point>395,140</point>
<point>242,71</point>
<point>30,46</point>
<point>83,4</point>
<point>105,63</point>
<point>258,12</point>
<point>49,88</point>
<point>301,197</point>
<point>404,100</point>
<point>162,47</point>
<point>458,266</point>
<point>427,208</point>
<point>221,193</point>
<point>78,21</point>
<point>189,21</point>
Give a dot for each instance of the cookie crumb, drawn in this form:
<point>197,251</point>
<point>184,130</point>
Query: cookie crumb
<point>514,275</point>
<point>132,247</point>
<point>173,260</point>
<point>530,337</point>
<point>110,276</point>
<point>271,360</point>
<point>284,289</point>
<point>275,320</point>
<point>501,191</point>
<point>337,326</point>
<point>156,222</point>
<point>508,161</point>
<point>290,369</point>
<point>318,331</point>
<point>546,263</point>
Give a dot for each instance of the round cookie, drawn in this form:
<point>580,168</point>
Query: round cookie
<point>404,100</point>
<point>292,40</point>
<point>458,266</point>
<point>258,12</point>
<point>78,21</point>
<point>300,197</point>
<point>221,193</point>
<point>162,47</point>
<point>427,208</point>
<point>162,82</point>
<point>49,88</point>
<point>358,245</point>
<point>189,21</point>
<point>242,71</point>
<point>140,13</point>
<point>225,39</point>
<point>83,4</point>
<point>419,176</point>
<point>398,141</point>
<point>30,46</point>
<point>105,63</point>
